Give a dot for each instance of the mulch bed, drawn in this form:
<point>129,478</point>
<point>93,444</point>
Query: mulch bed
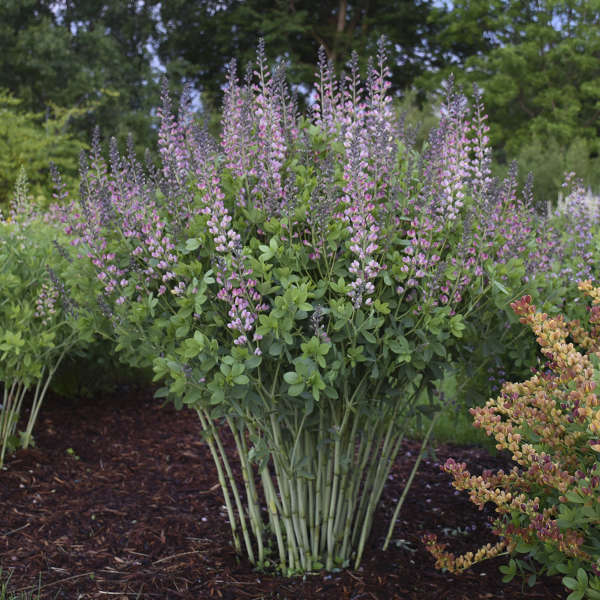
<point>120,500</point>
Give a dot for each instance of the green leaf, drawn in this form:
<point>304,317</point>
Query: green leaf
<point>217,397</point>
<point>369,337</point>
<point>324,348</point>
<point>162,392</point>
<point>340,287</point>
<point>182,331</point>
<point>267,254</point>
<point>192,244</point>
<point>381,307</point>
<point>439,349</point>
<point>570,583</point>
<point>509,570</point>
<point>339,324</point>
<point>237,369</point>
<point>192,397</point>
<point>498,285</point>
<point>523,548</point>
<point>331,393</point>
<point>398,345</point>
<point>457,326</point>
<point>291,377</point>
<point>275,348</point>
<point>296,390</point>
<point>225,369</point>
<point>253,362</point>
<point>404,358</point>
<point>200,338</point>
<point>574,497</point>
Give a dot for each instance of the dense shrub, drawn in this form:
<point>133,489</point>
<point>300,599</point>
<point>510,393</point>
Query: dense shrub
<point>496,348</point>
<point>40,322</point>
<point>547,505</point>
<point>302,282</point>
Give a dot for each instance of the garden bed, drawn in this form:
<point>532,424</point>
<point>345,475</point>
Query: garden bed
<point>120,499</point>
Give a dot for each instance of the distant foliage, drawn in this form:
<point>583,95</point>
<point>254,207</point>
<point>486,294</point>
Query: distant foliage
<point>78,52</point>
<point>33,141</point>
<point>537,63</point>
<point>547,160</point>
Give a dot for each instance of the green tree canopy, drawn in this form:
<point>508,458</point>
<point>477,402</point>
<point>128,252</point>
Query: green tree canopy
<point>539,68</point>
<point>199,38</point>
<point>537,61</point>
<point>32,141</point>
<point>77,52</point>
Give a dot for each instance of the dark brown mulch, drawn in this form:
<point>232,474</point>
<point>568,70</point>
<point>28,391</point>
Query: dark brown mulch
<point>120,500</point>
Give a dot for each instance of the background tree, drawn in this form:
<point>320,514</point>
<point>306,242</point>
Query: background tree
<point>32,141</point>
<point>80,52</point>
<point>199,38</point>
<point>538,64</point>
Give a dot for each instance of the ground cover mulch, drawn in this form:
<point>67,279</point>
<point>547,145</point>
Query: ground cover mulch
<point>120,500</point>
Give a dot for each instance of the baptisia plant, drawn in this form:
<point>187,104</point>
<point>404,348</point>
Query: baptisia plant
<point>39,321</point>
<point>548,505</point>
<point>557,250</point>
<point>301,283</point>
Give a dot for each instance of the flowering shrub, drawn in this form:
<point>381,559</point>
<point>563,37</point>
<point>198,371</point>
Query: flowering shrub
<point>549,505</point>
<point>300,282</point>
<point>39,320</point>
<point>557,249</point>
<point>576,230</point>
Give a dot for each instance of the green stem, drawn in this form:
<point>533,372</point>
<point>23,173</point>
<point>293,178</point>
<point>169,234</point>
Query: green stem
<point>309,447</point>
<point>375,491</point>
<point>320,449</point>
<point>346,469</point>
<point>299,518</point>
<point>409,482</point>
<point>339,477</point>
<point>204,420</point>
<point>332,503</point>
<point>38,399</point>
<point>9,415</point>
<point>284,497</point>
<point>378,435</point>
<point>274,508</point>
<point>251,495</point>
<point>236,496</point>
<point>363,454</point>
<point>303,513</point>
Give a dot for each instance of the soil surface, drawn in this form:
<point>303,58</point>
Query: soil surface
<point>120,500</point>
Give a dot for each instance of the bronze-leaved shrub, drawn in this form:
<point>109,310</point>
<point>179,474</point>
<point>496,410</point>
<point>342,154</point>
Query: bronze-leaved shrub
<point>548,505</point>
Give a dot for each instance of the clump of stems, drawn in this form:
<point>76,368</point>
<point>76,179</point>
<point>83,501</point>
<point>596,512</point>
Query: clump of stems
<point>322,477</point>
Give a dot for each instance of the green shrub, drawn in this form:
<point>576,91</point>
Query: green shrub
<point>40,322</point>
<point>302,284</point>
